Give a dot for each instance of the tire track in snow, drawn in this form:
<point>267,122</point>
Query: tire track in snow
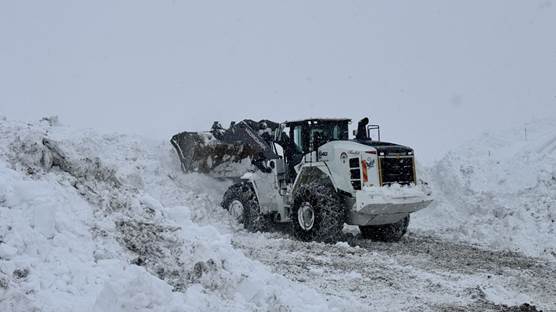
<point>419,273</point>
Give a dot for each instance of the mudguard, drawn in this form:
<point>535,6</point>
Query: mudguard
<point>312,173</point>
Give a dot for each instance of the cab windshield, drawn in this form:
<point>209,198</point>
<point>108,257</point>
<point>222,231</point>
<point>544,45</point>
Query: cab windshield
<point>315,133</point>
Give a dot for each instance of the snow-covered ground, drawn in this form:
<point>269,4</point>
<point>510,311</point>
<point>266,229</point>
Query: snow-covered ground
<point>92,222</point>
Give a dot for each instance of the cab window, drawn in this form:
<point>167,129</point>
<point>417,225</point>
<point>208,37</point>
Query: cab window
<point>297,137</point>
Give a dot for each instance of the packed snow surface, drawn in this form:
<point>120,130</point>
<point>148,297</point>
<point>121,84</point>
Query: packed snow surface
<point>92,222</point>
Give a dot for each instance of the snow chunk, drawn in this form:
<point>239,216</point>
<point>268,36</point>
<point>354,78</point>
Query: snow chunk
<point>343,244</point>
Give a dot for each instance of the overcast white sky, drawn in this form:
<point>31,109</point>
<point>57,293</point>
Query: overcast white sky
<point>431,72</point>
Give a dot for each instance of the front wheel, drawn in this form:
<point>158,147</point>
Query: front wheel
<point>317,214</point>
<point>386,232</point>
<point>241,201</point>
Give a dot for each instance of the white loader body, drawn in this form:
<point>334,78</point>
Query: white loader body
<point>311,174</point>
<point>355,171</point>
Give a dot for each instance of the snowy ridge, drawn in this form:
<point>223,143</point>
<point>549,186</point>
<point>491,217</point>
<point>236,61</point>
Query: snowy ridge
<point>109,223</point>
<point>498,190</point>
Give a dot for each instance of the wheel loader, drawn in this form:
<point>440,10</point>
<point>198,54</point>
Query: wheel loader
<point>309,173</point>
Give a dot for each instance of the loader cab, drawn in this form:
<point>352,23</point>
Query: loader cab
<point>309,134</point>
<point>298,138</point>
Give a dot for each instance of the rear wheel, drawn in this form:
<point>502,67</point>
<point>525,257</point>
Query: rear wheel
<point>317,214</point>
<point>386,232</point>
<point>241,201</point>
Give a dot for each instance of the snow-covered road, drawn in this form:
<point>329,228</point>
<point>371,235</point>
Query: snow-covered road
<point>420,273</point>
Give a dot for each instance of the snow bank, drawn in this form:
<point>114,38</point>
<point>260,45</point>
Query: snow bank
<point>498,190</point>
<point>95,222</point>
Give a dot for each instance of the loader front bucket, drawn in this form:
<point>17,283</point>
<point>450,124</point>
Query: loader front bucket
<point>226,153</point>
<point>203,153</point>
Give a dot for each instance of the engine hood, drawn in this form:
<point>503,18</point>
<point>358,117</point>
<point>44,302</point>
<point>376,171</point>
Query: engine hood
<point>386,147</point>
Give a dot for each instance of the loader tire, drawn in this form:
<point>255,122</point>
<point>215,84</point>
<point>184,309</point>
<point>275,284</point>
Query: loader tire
<point>386,232</point>
<point>241,201</point>
<point>322,201</point>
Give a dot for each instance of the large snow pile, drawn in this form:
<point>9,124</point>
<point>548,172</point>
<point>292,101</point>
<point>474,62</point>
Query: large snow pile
<point>498,190</point>
<point>93,222</point>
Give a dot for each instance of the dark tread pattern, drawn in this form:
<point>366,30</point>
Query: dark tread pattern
<point>329,212</point>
